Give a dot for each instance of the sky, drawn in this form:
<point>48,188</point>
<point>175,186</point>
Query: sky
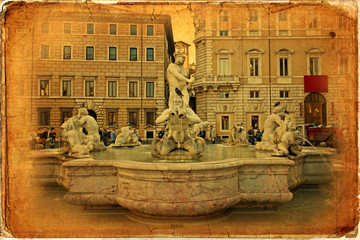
<point>183,29</point>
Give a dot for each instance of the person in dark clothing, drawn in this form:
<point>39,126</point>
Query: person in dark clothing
<point>202,134</point>
<point>52,136</point>
<point>161,133</point>
<point>43,135</point>
<point>251,135</point>
<point>106,137</point>
<point>258,135</point>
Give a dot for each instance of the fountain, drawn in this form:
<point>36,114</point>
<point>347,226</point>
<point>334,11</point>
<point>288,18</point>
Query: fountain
<point>237,136</point>
<point>179,177</point>
<point>127,138</point>
<point>279,134</point>
<point>75,143</point>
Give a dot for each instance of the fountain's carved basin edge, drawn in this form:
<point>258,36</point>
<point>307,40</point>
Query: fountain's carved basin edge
<point>192,189</point>
<point>187,189</point>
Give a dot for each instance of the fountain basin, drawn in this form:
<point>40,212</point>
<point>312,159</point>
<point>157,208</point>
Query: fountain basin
<point>193,189</point>
<point>157,187</point>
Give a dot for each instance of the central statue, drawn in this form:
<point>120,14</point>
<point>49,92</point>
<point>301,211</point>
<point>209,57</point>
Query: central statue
<point>178,81</point>
<point>177,141</point>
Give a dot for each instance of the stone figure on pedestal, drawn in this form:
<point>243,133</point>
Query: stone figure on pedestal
<point>90,125</point>
<point>237,136</point>
<point>73,138</point>
<point>178,79</point>
<point>126,138</point>
<point>179,118</point>
<point>75,142</point>
<point>279,134</point>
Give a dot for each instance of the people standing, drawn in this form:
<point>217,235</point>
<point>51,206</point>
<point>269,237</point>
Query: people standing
<point>258,135</point>
<point>161,133</point>
<point>202,134</point>
<point>113,135</point>
<point>251,135</point>
<point>43,135</point>
<point>212,135</point>
<point>52,136</point>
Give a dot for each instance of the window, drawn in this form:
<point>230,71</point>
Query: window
<point>342,22</point>
<point>314,60</point>
<point>112,29</point>
<point>284,94</point>
<point>133,54</point>
<point>312,20</point>
<point>66,88</point>
<point>344,66</point>
<point>44,87</point>
<point>254,94</point>
<point>224,122</point>
<point>44,51</point>
<point>283,33</point>
<point>149,30</point>
<point>254,67</point>
<point>112,53</point>
<point>133,117</point>
<point>224,66</point>
<point>283,67</point>
<point>45,27</point>
<point>253,17</point>
<point>150,54</point>
<point>314,65</point>
<point>150,118</point>
<point>89,89</point>
<point>44,116</point>
<point>224,61</point>
<point>133,30</point>
<point>90,28</point>
<point>89,53</point>
<point>149,89</point>
<point>66,113</point>
<point>133,89</point>
<point>282,16</point>
<point>67,52</point>
<point>67,28</point>
<point>224,33</point>
<point>223,16</point>
<point>253,33</point>
<point>111,117</point>
<point>112,88</point>
<point>224,95</point>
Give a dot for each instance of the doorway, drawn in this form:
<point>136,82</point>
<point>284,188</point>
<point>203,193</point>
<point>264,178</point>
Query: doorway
<point>255,121</point>
<point>315,109</point>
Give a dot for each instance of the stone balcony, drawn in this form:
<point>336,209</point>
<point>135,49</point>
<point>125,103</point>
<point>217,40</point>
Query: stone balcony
<point>217,80</point>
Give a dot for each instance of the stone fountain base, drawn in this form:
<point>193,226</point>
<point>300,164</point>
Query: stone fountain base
<point>177,190</point>
<point>194,189</point>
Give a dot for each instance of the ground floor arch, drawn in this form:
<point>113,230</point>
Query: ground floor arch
<point>315,109</point>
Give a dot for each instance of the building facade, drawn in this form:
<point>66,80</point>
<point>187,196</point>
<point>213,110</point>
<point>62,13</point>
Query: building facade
<point>108,60</point>
<point>248,57</point>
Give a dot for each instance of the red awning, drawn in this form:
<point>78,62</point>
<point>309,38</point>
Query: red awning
<point>316,83</point>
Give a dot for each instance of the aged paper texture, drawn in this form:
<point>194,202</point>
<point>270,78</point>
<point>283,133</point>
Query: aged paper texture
<point>112,58</point>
